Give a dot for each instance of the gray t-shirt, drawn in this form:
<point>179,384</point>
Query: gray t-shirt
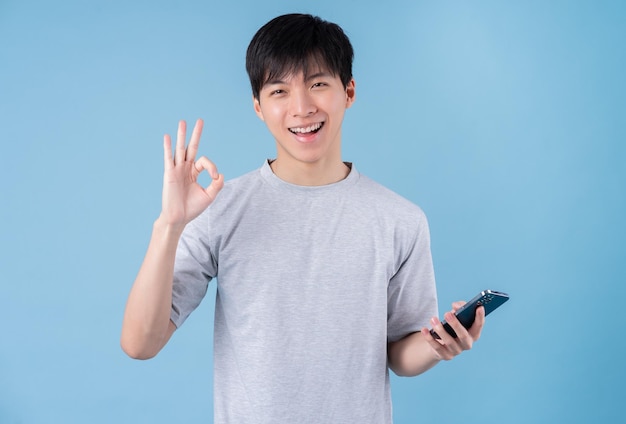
<point>312,282</point>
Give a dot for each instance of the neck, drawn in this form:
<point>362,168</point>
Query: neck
<point>310,174</point>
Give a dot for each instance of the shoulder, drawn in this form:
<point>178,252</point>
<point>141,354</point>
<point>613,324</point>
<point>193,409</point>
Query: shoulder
<point>394,218</point>
<point>385,200</point>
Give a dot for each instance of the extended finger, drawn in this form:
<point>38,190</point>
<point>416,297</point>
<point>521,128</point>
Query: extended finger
<point>192,149</point>
<point>180,143</point>
<point>167,151</point>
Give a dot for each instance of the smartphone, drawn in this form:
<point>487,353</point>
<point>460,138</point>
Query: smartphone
<point>490,299</point>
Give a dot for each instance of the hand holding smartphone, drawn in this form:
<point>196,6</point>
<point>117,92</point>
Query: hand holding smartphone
<point>489,299</point>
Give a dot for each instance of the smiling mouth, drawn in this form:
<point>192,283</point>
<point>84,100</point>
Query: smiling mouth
<point>311,129</point>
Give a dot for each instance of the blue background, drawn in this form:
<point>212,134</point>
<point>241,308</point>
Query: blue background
<point>503,120</point>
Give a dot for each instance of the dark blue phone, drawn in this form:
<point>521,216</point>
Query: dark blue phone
<point>490,299</point>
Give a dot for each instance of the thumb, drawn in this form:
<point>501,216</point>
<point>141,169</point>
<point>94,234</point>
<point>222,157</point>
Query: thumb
<point>216,185</point>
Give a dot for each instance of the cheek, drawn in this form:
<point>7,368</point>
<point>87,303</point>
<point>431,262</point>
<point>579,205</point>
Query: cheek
<point>339,108</point>
<point>273,115</point>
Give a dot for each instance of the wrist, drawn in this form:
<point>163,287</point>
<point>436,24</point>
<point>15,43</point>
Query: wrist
<point>167,229</point>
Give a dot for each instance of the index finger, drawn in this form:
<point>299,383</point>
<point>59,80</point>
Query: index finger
<point>194,142</point>
<point>478,324</point>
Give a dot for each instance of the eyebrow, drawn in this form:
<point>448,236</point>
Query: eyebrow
<point>317,75</point>
<point>307,79</point>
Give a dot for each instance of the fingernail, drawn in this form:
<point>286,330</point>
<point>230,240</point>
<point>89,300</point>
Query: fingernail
<point>434,320</point>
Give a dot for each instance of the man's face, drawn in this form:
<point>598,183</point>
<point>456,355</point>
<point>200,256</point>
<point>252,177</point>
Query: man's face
<point>305,116</point>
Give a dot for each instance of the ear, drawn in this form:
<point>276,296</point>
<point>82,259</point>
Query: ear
<point>257,108</point>
<point>350,93</point>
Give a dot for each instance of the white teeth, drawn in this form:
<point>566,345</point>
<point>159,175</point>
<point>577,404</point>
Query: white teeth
<point>304,130</point>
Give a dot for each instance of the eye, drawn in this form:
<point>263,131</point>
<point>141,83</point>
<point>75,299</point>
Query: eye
<point>319,84</point>
<point>277,92</point>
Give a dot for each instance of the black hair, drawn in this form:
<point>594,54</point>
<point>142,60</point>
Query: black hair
<point>297,42</point>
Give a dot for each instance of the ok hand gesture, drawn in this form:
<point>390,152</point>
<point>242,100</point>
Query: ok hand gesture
<point>183,197</point>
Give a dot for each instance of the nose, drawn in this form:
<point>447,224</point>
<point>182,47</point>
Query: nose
<point>301,104</point>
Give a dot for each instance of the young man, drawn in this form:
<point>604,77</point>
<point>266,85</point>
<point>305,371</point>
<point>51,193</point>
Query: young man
<point>325,278</point>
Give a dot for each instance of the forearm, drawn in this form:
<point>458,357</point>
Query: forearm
<point>146,327</point>
<point>411,355</point>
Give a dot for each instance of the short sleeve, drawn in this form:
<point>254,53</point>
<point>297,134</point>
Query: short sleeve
<point>194,268</point>
<point>412,294</point>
